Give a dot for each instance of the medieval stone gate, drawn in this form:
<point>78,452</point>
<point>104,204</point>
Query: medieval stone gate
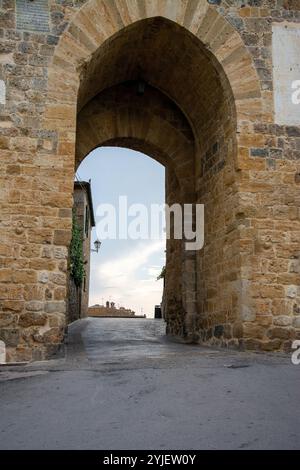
<point>71,75</point>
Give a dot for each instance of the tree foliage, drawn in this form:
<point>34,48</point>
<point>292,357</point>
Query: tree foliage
<point>162,274</point>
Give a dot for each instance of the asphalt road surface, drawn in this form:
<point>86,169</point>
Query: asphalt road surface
<point>124,385</point>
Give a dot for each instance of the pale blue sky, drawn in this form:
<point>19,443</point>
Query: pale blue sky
<point>125,271</point>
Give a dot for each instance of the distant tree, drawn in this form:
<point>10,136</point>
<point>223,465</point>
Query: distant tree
<point>162,275</point>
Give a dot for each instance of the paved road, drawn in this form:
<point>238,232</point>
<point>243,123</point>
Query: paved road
<point>124,385</point>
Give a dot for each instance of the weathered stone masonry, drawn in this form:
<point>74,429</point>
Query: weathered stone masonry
<point>69,82</point>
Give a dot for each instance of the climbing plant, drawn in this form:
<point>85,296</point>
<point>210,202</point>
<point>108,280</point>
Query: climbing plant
<point>162,275</point>
<point>76,254</point>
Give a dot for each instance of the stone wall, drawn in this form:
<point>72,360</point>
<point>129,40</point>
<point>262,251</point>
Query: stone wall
<point>214,61</point>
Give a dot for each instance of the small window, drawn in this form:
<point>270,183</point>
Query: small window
<point>2,352</point>
<point>2,92</point>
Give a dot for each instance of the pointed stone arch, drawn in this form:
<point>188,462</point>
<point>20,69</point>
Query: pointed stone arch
<point>212,127</point>
<point>91,34</point>
<point>99,20</point>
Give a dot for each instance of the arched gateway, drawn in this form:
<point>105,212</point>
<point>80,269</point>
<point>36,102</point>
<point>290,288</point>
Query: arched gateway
<point>205,112</point>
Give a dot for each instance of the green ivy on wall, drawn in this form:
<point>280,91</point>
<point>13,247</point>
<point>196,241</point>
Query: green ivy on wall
<point>76,254</point>
<point>162,274</point>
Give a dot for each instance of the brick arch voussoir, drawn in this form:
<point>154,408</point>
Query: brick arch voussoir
<point>98,20</point>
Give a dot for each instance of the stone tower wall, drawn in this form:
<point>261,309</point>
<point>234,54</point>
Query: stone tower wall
<point>242,289</point>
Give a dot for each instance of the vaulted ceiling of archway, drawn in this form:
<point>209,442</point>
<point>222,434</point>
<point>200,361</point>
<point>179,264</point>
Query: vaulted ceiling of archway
<point>167,57</point>
<point>148,121</point>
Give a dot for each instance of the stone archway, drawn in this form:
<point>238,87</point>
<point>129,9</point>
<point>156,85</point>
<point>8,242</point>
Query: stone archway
<point>151,123</point>
<point>198,121</point>
<point>181,123</point>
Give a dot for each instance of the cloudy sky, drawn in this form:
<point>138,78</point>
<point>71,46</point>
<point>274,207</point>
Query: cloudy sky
<point>125,271</point>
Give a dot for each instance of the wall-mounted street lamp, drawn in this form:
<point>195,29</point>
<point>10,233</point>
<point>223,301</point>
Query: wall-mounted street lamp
<point>97,245</point>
